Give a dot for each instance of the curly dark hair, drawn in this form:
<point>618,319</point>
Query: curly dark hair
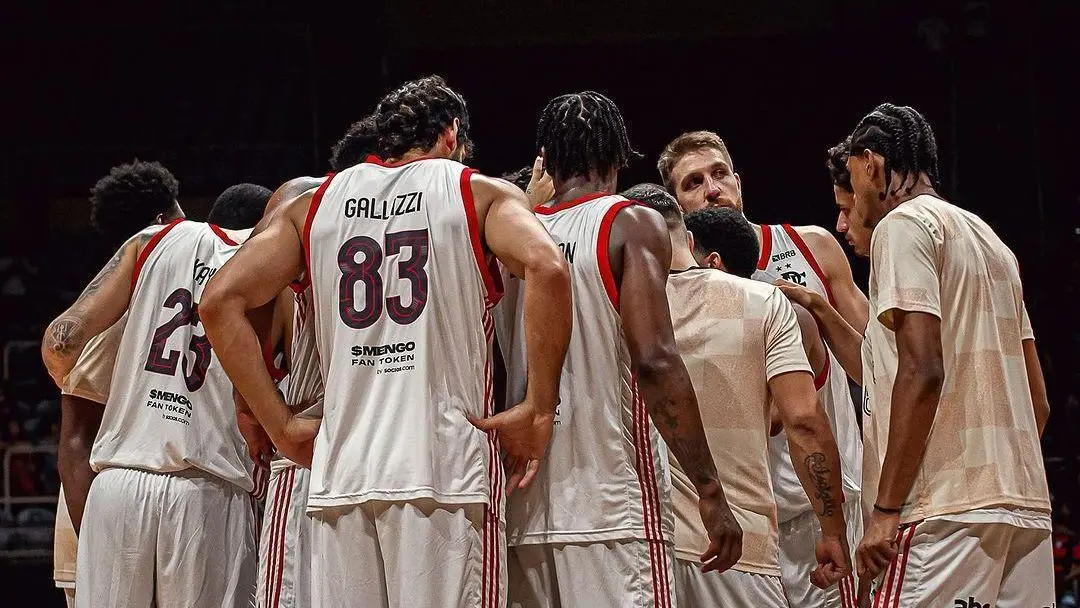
<point>904,138</point>
<point>239,207</point>
<point>359,141</point>
<point>836,160</point>
<point>520,178</point>
<point>130,197</point>
<point>581,132</point>
<point>415,114</point>
<point>726,232</point>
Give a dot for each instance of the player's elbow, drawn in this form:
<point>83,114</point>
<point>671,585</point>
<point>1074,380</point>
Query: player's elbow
<point>216,307</point>
<point>924,376</point>
<point>658,364</point>
<point>550,267</point>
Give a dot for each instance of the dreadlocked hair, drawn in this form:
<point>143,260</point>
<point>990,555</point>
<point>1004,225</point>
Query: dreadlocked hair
<point>415,114</point>
<point>583,132</point>
<point>904,138</point>
<point>836,160</point>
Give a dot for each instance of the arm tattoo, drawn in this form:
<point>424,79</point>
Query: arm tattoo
<point>694,458</point>
<point>104,274</point>
<point>66,334</point>
<point>819,476</point>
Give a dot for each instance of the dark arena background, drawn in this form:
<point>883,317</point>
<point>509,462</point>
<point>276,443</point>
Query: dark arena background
<point>258,92</point>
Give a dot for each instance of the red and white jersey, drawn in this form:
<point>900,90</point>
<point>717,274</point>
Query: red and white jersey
<point>605,476</point>
<point>305,380</point>
<point>170,406</point>
<point>784,255</point>
<point>400,296</point>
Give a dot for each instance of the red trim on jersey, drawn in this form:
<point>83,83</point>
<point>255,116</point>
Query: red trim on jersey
<point>305,237</point>
<point>766,247</point>
<point>650,499</point>
<point>221,234</point>
<point>375,160</point>
<point>574,202</point>
<point>801,244</point>
<point>272,541</point>
<point>276,373</point>
<point>823,375</point>
<point>493,290</point>
<point>154,240</point>
<point>603,247</point>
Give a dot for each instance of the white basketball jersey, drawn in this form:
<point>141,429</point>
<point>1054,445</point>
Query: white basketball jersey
<point>171,406</point>
<point>606,474</point>
<point>305,373</point>
<point>400,292</point>
<point>785,255</point>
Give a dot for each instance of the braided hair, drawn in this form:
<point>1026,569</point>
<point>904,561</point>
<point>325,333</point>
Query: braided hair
<point>583,132</point>
<point>415,114</point>
<point>836,160</point>
<point>903,137</point>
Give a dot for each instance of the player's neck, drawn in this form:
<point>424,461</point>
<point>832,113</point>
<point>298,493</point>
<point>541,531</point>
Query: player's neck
<point>681,257</point>
<point>921,187</point>
<point>412,155</point>
<point>579,186</point>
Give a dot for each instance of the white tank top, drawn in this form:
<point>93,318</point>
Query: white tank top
<point>606,473</point>
<point>170,406</point>
<point>400,296</point>
<point>785,255</point>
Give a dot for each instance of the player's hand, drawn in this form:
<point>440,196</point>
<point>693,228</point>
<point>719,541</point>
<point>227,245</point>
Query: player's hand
<point>524,432</point>
<point>803,296</point>
<point>834,561</point>
<point>298,439</point>
<point>541,187</point>
<point>260,448</point>
<point>725,534</point>
<point>878,545</point>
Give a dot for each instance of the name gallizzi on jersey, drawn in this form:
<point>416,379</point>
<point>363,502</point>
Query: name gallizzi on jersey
<point>373,209</point>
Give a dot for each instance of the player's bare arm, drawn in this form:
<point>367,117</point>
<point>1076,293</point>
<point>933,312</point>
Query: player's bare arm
<point>640,258</point>
<point>811,339</point>
<point>844,341</point>
<point>80,420</point>
<point>522,244</point>
<point>851,302</point>
<point>101,304</point>
<point>814,454</point>
<point>1037,385</point>
<point>920,374</point>
<point>255,276</point>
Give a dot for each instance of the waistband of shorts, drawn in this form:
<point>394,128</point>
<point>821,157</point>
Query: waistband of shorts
<point>280,464</point>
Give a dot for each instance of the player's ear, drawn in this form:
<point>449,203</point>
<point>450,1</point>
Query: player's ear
<point>713,261</point>
<point>450,136</point>
<point>690,241</point>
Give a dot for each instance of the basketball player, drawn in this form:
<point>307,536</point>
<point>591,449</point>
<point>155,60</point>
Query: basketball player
<point>168,456</point>
<point>697,168</point>
<point>953,465</point>
<point>596,527</point>
<point>284,578</point>
<point>741,343</point>
<point>131,197</point>
<point>405,494</point>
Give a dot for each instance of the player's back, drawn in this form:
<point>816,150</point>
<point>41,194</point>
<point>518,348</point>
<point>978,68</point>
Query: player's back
<point>604,478</point>
<point>983,449</point>
<point>734,335</point>
<point>400,291</point>
<point>170,406</point>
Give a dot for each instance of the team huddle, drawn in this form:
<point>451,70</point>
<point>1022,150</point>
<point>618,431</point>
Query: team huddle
<point>410,384</point>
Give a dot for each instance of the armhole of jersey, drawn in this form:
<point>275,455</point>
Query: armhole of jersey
<point>603,249</point>
<point>823,375</point>
<point>801,244</point>
<point>305,238</point>
<point>150,245</point>
<point>492,290</point>
<point>766,246</point>
<point>221,235</point>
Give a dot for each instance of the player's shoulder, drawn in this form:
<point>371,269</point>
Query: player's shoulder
<point>817,237</point>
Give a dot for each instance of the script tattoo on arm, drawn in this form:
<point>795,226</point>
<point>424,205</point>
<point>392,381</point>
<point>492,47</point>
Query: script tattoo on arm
<point>819,475</point>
